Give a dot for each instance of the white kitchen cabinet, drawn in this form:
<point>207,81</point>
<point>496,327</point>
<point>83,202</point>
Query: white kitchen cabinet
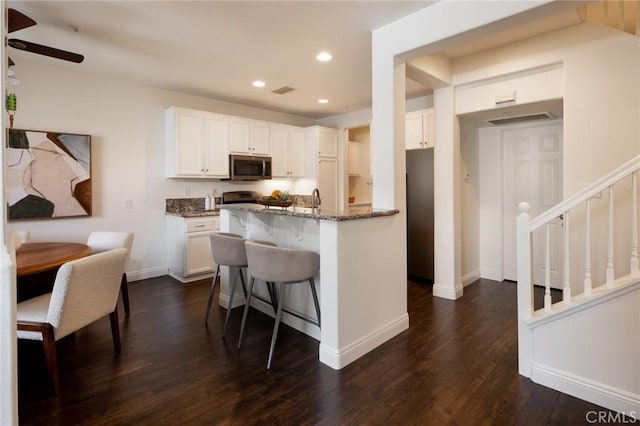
<point>327,183</point>
<point>288,152</point>
<point>249,137</point>
<point>190,256</point>
<point>196,144</point>
<point>420,129</point>
<point>354,162</point>
<point>324,141</point>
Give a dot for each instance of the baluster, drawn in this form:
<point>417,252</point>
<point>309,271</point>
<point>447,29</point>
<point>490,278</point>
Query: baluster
<point>587,250</point>
<point>547,269</point>
<point>634,221</point>
<point>566,287</point>
<point>610,271</point>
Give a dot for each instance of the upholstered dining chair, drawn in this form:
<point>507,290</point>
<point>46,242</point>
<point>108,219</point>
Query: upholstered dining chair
<point>84,291</point>
<point>101,241</point>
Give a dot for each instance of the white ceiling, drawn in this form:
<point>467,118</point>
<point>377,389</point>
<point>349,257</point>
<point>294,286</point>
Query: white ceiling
<point>216,49</point>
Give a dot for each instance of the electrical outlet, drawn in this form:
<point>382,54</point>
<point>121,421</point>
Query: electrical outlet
<point>128,204</point>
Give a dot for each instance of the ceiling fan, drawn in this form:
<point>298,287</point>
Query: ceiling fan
<point>19,21</point>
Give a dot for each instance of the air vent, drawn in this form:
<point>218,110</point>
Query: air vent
<point>282,90</point>
<point>520,118</point>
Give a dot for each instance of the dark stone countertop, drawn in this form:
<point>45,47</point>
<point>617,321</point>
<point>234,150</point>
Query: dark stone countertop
<point>352,213</point>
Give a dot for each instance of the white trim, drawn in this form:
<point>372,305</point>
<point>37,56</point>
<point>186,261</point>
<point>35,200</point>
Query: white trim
<point>144,274</point>
<point>448,292</point>
<point>347,354</point>
<point>470,278</point>
<point>589,390</point>
<point>492,273</point>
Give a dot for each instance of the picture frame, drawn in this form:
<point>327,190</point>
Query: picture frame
<point>48,174</point>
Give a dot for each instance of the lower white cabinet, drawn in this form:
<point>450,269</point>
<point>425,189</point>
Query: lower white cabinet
<point>190,256</point>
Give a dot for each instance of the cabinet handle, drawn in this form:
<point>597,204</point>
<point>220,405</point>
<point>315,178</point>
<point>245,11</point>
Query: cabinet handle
<point>199,226</point>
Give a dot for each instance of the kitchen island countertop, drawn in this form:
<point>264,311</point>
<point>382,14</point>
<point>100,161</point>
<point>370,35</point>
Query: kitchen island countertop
<point>362,212</point>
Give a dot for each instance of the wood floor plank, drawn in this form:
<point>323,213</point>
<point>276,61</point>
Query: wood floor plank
<point>456,364</point>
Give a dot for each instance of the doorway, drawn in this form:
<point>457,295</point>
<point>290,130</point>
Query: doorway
<point>532,172</point>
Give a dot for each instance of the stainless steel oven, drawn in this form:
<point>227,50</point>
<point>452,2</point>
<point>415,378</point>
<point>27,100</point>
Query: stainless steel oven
<point>249,167</point>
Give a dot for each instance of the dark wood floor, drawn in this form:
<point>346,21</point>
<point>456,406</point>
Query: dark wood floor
<point>457,364</point>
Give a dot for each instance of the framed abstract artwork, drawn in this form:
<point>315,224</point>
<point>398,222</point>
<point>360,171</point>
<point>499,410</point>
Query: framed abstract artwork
<point>48,174</point>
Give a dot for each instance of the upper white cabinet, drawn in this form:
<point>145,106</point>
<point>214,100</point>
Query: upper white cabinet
<point>288,151</point>
<point>324,140</point>
<point>420,129</point>
<point>354,168</point>
<point>249,137</point>
<point>197,144</point>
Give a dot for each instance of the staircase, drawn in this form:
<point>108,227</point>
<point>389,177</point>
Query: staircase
<point>588,344</point>
<point>623,15</point>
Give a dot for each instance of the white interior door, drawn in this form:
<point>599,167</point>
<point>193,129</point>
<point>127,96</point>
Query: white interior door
<point>533,173</point>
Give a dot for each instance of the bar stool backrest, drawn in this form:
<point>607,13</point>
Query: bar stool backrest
<point>279,264</point>
<point>228,249</point>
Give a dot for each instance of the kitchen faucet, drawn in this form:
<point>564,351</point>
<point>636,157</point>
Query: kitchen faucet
<point>315,198</point>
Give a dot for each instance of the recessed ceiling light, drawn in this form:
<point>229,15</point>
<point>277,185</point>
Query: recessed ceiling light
<point>259,83</point>
<point>324,56</point>
<point>323,101</point>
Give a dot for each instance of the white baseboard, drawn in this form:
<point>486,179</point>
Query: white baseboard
<point>144,274</point>
<point>447,292</point>
<point>342,357</point>
<point>491,274</point>
<point>470,278</point>
<point>589,390</point>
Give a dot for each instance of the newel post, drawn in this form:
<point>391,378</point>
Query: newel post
<point>525,289</point>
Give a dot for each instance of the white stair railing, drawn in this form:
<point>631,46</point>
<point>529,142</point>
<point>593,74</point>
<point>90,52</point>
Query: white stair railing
<point>526,227</point>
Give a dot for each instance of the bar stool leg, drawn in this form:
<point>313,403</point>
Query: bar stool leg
<point>273,296</point>
<point>315,298</point>
<point>213,288</point>
<point>233,292</point>
<point>276,326</point>
<point>246,310</point>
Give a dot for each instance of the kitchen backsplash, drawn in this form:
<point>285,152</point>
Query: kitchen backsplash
<point>186,205</point>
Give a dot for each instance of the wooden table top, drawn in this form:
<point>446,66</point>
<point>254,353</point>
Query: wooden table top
<point>32,258</point>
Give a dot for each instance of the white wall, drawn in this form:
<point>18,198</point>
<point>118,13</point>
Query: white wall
<point>126,123</point>
<point>470,203</point>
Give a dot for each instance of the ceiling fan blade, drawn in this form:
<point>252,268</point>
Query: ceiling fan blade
<point>28,46</point>
<point>19,21</point>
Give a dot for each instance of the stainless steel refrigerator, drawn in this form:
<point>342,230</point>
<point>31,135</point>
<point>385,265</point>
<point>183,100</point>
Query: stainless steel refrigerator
<point>420,214</point>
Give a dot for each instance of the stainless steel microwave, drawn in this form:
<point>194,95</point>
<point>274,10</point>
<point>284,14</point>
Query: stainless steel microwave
<point>249,167</point>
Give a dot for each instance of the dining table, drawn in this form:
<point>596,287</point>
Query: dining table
<point>38,257</point>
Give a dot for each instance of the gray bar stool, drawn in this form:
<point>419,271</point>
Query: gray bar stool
<point>279,265</point>
<point>228,250</point>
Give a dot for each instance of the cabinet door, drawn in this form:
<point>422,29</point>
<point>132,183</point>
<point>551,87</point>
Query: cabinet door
<point>189,137</point>
<point>260,141</point>
<point>216,146</point>
<point>240,137</point>
<point>327,143</point>
<point>413,130</point>
<point>297,153</point>
<point>328,183</point>
<point>198,258</point>
<point>429,127</point>
<point>354,158</point>
<point>279,152</point>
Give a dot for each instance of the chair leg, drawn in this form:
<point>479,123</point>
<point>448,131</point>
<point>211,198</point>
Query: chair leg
<point>244,285</point>
<point>229,305</point>
<point>115,330</point>
<point>276,326</point>
<point>211,291</point>
<point>273,296</point>
<point>50,358</point>
<point>246,310</point>
<point>314,293</point>
<point>124,289</point>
